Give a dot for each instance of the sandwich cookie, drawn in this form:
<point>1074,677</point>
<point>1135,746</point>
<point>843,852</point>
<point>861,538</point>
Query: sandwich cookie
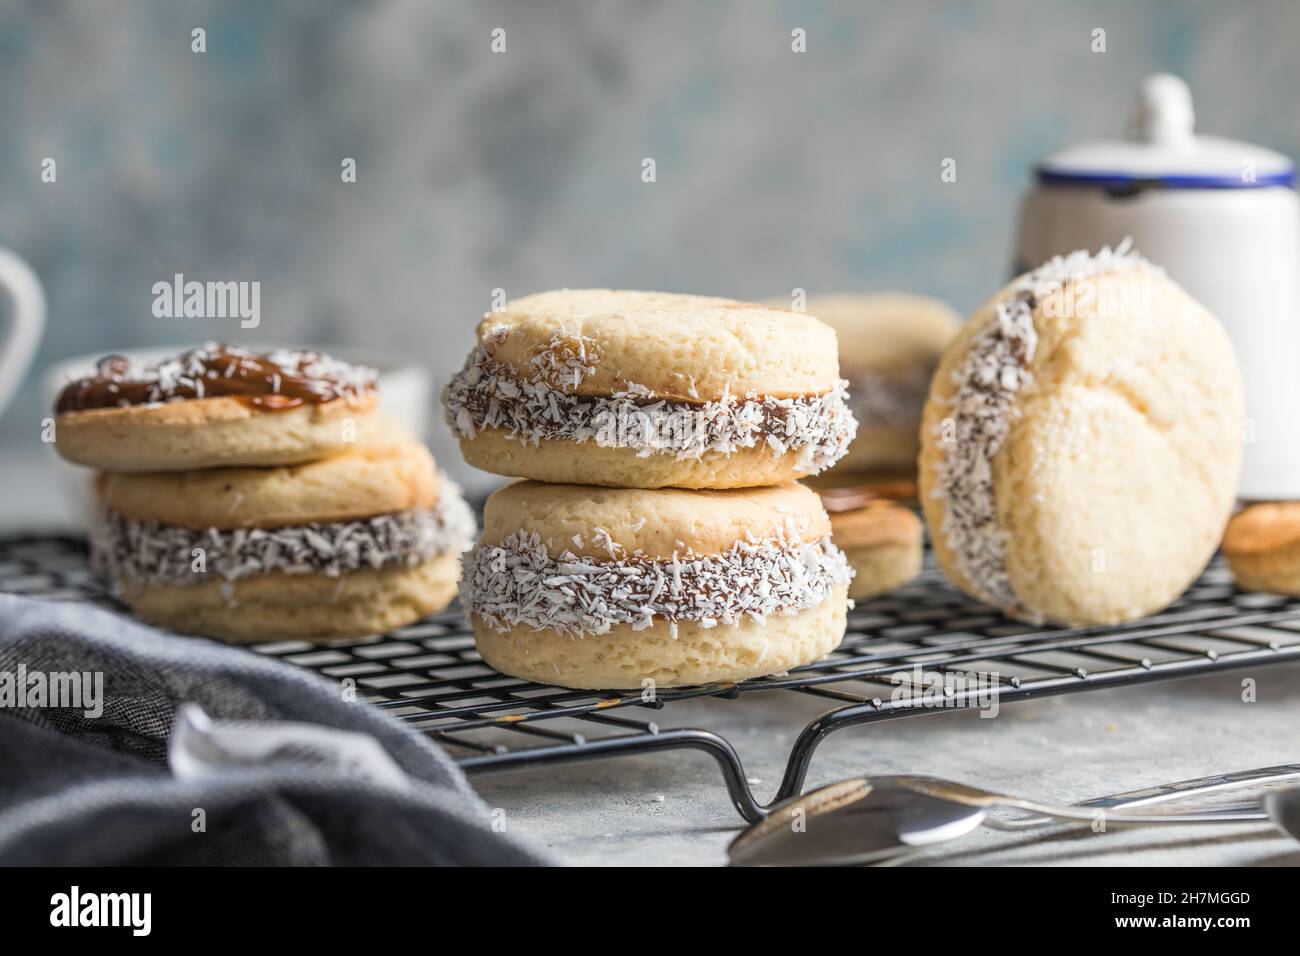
<point>350,545</point>
<point>889,346</point>
<point>650,390</point>
<point>214,406</point>
<point>1081,443</point>
<point>882,542</point>
<point>1262,546</point>
<point>609,588</point>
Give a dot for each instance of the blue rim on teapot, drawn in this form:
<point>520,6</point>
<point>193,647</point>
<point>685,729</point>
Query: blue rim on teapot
<point>1162,152</point>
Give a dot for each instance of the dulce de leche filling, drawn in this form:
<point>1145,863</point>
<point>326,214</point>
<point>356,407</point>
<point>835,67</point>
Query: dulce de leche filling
<point>270,381</point>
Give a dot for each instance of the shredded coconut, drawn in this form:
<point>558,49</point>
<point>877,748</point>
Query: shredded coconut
<point>566,360</point>
<point>124,548</point>
<point>518,583</point>
<point>489,394</point>
<point>989,382</point>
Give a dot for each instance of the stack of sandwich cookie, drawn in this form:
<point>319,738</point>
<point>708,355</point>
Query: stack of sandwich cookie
<point>674,547</point>
<point>362,535</point>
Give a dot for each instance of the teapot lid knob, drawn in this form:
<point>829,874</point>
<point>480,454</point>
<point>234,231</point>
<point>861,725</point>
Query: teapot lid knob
<point>1164,111</point>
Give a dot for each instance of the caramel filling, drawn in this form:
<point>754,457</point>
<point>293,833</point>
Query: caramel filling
<point>273,381</point>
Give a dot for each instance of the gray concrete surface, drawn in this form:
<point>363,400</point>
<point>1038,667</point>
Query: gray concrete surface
<point>671,809</point>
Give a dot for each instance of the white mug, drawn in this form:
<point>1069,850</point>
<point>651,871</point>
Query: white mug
<point>18,284</point>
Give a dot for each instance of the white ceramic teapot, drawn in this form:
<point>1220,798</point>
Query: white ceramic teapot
<point>1222,218</point>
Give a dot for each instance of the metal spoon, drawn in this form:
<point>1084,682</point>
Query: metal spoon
<point>969,796</point>
<point>1178,792</point>
<point>854,821</point>
<point>868,819</point>
<point>1284,810</point>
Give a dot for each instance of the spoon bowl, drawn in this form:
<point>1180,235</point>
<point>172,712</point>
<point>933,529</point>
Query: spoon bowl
<point>1283,808</point>
<point>862,820</point>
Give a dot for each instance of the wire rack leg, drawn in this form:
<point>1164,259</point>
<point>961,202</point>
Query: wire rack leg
<point>796,768</point>
<point>716,746</point>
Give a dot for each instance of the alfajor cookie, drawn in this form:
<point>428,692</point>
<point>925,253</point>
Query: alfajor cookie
<point>650,390</point>
<point>1262,547</point>
<point>889,345</point>
<point>354,544</point>
<point>882,542</point>
<point>214,406</point>
<point>595,587</point>
<point>1081,443</point>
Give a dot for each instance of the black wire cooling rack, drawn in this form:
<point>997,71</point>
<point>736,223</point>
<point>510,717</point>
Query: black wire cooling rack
<point>924,648</point>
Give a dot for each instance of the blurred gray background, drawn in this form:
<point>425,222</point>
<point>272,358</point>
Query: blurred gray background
<point>522,170</point>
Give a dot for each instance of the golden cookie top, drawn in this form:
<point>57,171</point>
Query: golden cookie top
<point>688,348</point>
<point>386,476</point>
<point>658,523</point>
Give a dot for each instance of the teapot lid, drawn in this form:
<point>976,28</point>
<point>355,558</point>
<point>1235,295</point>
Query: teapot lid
<point>1162,151</point>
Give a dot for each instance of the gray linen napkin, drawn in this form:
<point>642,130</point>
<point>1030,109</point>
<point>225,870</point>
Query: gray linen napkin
<point>270,766</point>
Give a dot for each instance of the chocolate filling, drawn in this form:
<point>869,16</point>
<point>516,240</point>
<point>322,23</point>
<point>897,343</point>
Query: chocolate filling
<point>271,381</point>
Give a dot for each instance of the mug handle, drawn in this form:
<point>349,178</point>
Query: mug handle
<point>26,320</point>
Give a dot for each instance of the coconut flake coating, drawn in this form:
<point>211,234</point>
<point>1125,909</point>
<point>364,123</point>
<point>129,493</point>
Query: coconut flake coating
<point>518,583</point>
<point>124,548</point>
<point>989,382</point>
<point>487,394</point>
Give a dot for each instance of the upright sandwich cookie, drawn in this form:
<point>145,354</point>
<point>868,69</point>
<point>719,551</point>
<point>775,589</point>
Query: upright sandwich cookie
<point>650,390</point>
<point>889,346</point>
<point>1081,443</point>
<point>599,587</point>
<point>349,545</point>
<point>214,406</point>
